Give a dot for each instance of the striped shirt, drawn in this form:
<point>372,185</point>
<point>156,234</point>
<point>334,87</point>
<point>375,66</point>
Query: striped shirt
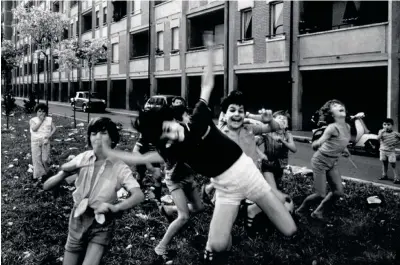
<point>389,140</point>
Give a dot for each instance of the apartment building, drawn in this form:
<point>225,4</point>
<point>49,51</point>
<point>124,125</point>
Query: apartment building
<point>291,55</point>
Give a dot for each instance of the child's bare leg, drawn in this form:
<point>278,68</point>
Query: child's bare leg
<point>72,258</point>
<point>253,210</point>
<point>335,181</point>
<point>157,183</point>
<point>269,177</point>
<point>385,167</point>
<point>395,174</point>
<point>183,216</point>
<point>94,253</point>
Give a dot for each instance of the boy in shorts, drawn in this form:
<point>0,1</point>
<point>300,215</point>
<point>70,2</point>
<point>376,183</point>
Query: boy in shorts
<point>389,139</point>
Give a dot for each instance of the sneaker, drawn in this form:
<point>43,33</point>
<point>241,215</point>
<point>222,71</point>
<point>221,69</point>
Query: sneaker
<point>383,178</point>
<point>396,181</point>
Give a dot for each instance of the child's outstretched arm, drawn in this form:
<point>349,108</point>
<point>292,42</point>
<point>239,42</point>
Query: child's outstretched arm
<point>290,143</point>
<point>55,180</point>
<point>207,80</point>
<point>133,158</point>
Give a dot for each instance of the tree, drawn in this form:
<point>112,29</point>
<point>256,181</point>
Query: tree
<point>44,28</point>
<point>10,57</point>
<point>91,52</point>
<point>67,60</point>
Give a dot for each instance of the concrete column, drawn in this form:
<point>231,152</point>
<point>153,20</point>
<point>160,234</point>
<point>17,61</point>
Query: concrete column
<point>152,58</point>
<point>79,72</point>
<point>393,84</point>
<point>109,87</point>
<point>297,82</point>
<point>232,77</point>
<point>128,83</point>
<point>183,49</point>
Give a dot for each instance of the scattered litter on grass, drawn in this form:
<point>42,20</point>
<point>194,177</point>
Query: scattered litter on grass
<point>142,216</point>
<point>169,262</point>
<point>152,188</point>
<point>167,199</point>
<point>122,193</point>
<point>129,246</point>
<point>26,189</point>
<point>329,225</point>
<point>27,254</point>
<point>15,159</point>
<point>73,148</point>
<point>344,183</point>
<point>314,262</point>
<point>59,126</point>
<point>150,195</point>
<point>80,124</point>
<point>152,238</point>
<point>5,152</point>
<point>146,235</point>
<point>5,195</point>
<point>14,208</point>
<point>25,130</point>
<point>55,166</point>
<point>374,200</point>
<point>60,259</point>
<point>70,134</point>
<point>126,134</point>
<point>57,140</point>
<point>19,119</point>
<point>68,139</point>
<point>16,177</point>
<point>10,166</point>
<point>10,223</point>
<point>382,188</point>
<point>30,168</point>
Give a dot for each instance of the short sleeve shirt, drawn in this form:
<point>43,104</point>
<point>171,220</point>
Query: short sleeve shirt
<point>44,129</point>
<point>389,141</point>
<point>111,177</point>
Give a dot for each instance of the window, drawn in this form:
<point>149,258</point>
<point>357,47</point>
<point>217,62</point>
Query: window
<point>97,18</point>
<point>65,34</point>
<point>55,64</point>
<point>175,39</point>
<point>132,6</point>
<point>87,22</point>
<point>276,18</point>
<point>104,15</point>
<point>76,28</point>
<point>119,10</point>
<point>115,53</point>
<point>30,68</point>
<point>246,25</point>
<point>160,42</point>
<point>139,44</point>
<point>41,66</point>
<point>72,29</point>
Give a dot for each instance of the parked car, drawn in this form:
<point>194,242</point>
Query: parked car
<point>81,101</point>
<point>158,101</point>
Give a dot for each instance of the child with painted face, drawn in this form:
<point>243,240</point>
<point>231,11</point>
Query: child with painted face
<point>209,152</point>
<point>276,148</point>
<point>329,147</point>
<point>99,178</point>
<point>389,139</point>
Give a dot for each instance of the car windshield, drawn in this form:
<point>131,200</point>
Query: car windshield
<point>92,95</point>
<point>157,101</point>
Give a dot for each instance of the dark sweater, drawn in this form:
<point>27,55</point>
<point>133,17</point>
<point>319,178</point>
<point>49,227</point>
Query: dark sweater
<point>205,148</point>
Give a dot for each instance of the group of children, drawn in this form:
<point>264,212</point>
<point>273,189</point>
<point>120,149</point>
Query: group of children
<point>244,157</point>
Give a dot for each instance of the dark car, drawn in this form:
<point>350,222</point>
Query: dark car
<point>158,101</point>
<point>81,101</point>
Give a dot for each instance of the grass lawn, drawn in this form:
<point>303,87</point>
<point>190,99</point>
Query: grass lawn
<point>34,223</point>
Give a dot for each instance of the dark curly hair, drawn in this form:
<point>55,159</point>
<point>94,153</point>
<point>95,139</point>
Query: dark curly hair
<point>149,123</point>
<point>235,97</point>
<point>325,113</point>
<point>42,106</point>
<point>100,124</point>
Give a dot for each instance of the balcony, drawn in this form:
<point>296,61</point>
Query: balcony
<point>369,42</point>
<point>100,71</point>
<point>245,52</point>
<point>74,11</point>
<point>104,31</point>
<point>198,59</point>
<point>114,69</point>
<point>175,62</point>
<point>159,63</point>
<point>136,20</point>
<point>87,35</point>
<point>56,76</point>
<point>139,65</point>
<point>118,26</point>
<point>276,49</point>
<point>168,8</point>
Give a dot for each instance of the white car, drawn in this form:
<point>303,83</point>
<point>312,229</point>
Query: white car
<point>81,100</point>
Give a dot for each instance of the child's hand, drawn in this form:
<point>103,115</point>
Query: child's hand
<point>266,115</point>
<point>105,208</point>
<point>46,140</point>
<point>346,153</point>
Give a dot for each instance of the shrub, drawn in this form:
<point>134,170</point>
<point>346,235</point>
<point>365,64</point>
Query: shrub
<point>29,104</point>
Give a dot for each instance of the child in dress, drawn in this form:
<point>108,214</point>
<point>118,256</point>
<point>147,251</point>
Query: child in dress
<point>42,128</point>
<point>91,221</point>
<point>329,147</point>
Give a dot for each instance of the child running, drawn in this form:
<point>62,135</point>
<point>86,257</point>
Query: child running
<point>389,139</point>
<point>329,147</point>
<point>42,128</point>
<point>91,221</point>
<point>209,152</point>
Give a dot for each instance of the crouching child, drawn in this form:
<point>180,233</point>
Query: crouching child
<point>99,178</point>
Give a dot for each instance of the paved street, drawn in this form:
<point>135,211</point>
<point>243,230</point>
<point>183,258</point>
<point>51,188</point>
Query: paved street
<point>369,168</point>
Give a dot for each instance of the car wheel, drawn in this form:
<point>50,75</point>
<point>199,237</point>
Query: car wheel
<point>84,108</point>
<point>372,147</point>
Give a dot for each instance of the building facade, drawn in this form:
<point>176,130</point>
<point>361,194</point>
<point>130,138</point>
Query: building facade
<point>291,55</point>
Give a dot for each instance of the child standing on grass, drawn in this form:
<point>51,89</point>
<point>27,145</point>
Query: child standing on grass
<point>329,147</point>
<point>277,146</point>
<point>389,139</point>
<point>42,128</point>
<point>91,221</point>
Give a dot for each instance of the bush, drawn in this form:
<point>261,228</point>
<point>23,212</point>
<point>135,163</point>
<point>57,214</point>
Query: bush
<point>8,103</point>
<point>29,104</point>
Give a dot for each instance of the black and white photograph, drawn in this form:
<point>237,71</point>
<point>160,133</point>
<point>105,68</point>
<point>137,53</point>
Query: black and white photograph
<point>200,132</point>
